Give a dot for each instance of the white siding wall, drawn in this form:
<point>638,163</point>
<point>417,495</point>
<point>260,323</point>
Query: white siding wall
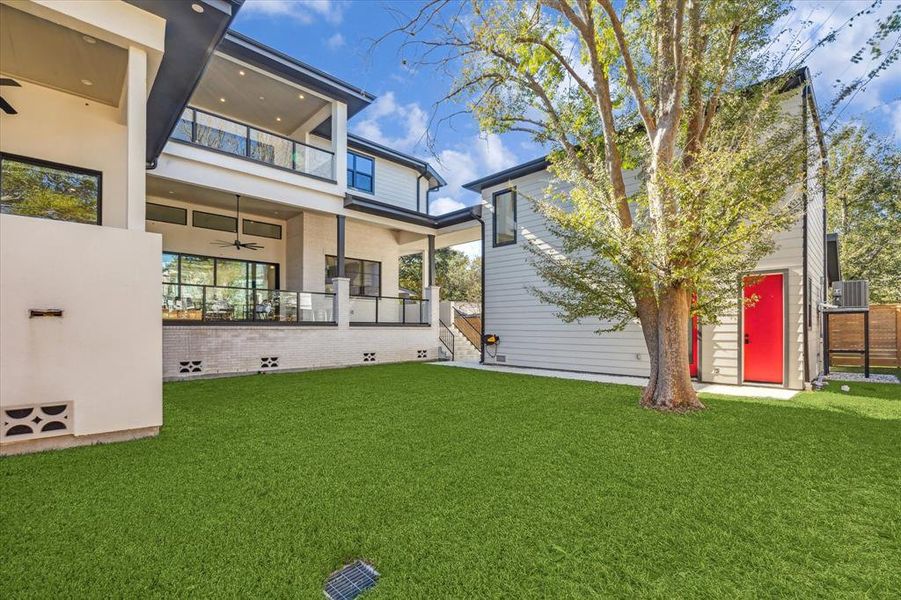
<point>815,250</point>
<point>532,336</point>
<point>394,184</point>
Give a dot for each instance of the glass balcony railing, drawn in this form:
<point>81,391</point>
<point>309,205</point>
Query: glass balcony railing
<point>219,304</point>
<point>224,135</point>
<point>389,310</point>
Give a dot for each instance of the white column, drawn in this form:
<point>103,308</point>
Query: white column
<point>339,142</point>
<point>341,285</point>
<point>136,150</point>
<point>433,295</point>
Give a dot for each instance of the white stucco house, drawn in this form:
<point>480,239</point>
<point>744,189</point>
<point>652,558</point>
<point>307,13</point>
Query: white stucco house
<point>777,342</point>
<point>181,201</point>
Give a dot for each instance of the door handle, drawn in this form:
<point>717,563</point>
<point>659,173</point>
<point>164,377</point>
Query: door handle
<point>747,339</point>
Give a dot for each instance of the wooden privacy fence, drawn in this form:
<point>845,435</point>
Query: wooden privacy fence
<point>846,332</point>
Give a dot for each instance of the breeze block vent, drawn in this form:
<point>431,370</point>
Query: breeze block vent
<point>37,421</point>
<point>269,362</point>
<point>190,366</point>
<point>369,357</point>
<point>422,354</point>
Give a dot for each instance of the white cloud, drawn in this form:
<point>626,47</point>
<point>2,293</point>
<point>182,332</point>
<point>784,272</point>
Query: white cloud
<point>471,159</point>
<point>832,61</point>
<point>304,11</point>
<point>335,41</point>
<point>444,204</point>
<point>410,120</point>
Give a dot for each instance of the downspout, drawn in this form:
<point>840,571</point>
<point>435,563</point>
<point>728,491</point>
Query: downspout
<point>482,332</point>
<point>806,285</point>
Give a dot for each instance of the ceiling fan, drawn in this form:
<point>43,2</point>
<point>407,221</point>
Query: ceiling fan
<point>237,244</point>
<point>4,105</point>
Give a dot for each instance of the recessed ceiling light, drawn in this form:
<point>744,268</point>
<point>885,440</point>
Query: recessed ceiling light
<point>89,39</point>
<point>221,99</point>
<point>171,192</point>
<point>242,73</point>
<point>300,96</point>
<point>278,118</point>
<point>197,8</point>
<point>87,82</point>
<point>262,97</point>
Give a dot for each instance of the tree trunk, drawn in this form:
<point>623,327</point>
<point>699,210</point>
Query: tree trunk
<point>673,389</point>
<point>647,316</point>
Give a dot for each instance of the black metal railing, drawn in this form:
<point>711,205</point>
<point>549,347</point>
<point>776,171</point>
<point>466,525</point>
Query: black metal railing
<point>233,137</point>
<point>446,337</point>
<point>187,303</point>
<point>393,310</point>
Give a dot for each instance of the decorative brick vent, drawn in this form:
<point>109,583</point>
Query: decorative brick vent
<point>190,366</point>
<point>39,421</point>
<point>369,357</point>
<point>422,354</point>
<point>268,362</point>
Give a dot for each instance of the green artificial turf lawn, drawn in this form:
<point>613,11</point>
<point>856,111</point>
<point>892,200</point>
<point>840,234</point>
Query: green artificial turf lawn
<point>458,483</point>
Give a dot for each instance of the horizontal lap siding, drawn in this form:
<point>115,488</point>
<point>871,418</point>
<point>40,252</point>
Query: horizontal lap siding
<point>531,333</point>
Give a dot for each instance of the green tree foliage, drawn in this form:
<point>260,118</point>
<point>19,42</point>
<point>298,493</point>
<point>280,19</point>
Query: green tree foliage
<point>38,191</point>
<point>459,276</point>
<point>864,206</point>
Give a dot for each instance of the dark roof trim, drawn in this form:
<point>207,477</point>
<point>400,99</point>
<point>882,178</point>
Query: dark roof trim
<point>251,51</point>
<point>191,39</point>
<point>374,207</point>
<point>533,166</point>
<point>355,141</point>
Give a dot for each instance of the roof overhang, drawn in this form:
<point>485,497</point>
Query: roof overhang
<point>508,175</point>
<point>191,38</point>
<point>253,52</point>
<point>374,207</point>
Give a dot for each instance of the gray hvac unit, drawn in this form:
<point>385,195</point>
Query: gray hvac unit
<point>851,294</point>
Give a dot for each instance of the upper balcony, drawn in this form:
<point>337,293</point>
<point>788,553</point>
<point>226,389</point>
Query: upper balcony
<point>221,134</point>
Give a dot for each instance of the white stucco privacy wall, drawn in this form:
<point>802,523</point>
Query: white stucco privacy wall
<point>104,354</point>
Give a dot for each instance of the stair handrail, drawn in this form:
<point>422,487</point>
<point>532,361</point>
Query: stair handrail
<point>444,335</point>
<point>473,334</point>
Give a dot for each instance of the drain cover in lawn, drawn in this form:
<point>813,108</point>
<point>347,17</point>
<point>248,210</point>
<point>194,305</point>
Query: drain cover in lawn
<point>350,581</point>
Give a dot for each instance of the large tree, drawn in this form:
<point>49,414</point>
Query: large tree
<point>459,276</point>
<point>660,88</point>
<point>864,207</point>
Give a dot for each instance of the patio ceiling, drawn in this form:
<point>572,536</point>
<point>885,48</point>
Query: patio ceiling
<point>48,54</point>
<point>217,199</point>
<point>247,95</point>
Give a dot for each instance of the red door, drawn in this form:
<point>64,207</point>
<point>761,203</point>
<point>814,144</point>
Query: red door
<point>693,347</point>
<point>763,329</point>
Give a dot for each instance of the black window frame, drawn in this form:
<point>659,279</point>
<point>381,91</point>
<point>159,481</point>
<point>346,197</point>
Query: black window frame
<point>215,269</point>
<point>184,212</point>
<point>361,261</point>
<point>349,168</point>
<point>40,162</point>
<point>245,232</point>
<point>194,214</point>
<point>494,196</point>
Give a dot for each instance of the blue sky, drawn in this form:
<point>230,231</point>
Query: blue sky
<point>335,36</point>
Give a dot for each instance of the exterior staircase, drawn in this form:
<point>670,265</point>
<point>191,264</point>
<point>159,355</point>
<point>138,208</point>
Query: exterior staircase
<point>463,348</point>
<point>464,331</point>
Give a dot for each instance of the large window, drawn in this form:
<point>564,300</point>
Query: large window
<point>35,188</point>
<point>365,275</point>
<point>360,172</point>
<point>505,217</point>
<point>229,286</point>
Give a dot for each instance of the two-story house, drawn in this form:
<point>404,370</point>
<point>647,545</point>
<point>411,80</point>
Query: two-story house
<point>180,201</point>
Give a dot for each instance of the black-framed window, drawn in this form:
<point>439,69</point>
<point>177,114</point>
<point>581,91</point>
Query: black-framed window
<point>32,187</point>
<point>365,275</point>
<point>261,229</point>
<point>207,220</point>
<point>360,172</point>
<point>504,220</point>
<point>166,214</point>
